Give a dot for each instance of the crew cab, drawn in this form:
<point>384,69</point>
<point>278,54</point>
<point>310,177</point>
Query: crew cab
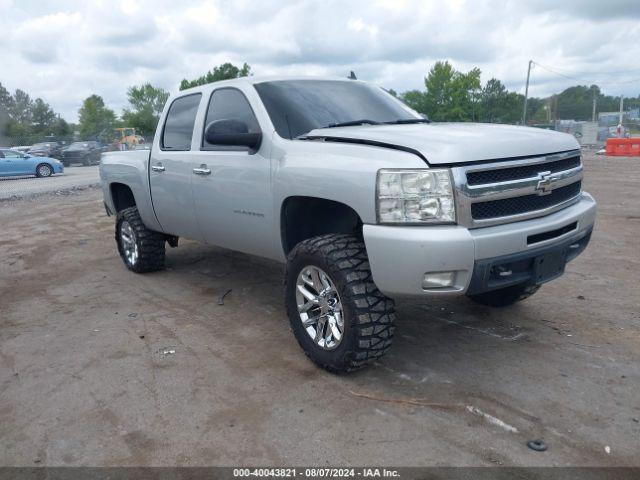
<point>364,200</point>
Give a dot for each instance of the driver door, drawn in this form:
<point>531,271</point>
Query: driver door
<point>231,184</point>
<point>15,164</point>
<point>4,164</point>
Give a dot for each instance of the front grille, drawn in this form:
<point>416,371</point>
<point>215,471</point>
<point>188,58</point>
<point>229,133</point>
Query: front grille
<point>525,204</point>
<point>520,172</point>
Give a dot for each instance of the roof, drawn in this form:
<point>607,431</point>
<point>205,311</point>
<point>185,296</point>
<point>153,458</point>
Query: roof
<point>261,79</point>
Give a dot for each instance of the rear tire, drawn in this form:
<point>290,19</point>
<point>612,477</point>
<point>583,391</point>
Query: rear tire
<point>505,296</point>
<point>142,250</point>
<point>367,315</point>
<point>44,170</point>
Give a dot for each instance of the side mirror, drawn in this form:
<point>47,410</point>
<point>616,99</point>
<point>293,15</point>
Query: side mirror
<point>232,132</point>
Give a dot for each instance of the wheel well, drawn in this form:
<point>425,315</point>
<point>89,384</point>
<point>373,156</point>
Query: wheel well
<point>122,196</point>
<point>306,217</point>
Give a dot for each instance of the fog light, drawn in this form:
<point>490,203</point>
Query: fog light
<point>438,280</point>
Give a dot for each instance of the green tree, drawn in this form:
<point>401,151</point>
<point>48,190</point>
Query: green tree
<point>226,71</point>
<point>61,129</point>
<point>5,99</point>
<point>576,103</point>
<point>18,116</point>
<point>450,95</point>
<point>498,105</point>
<point>21,107</point>
<point>416,100</point>
<point>95,119</point>
<point>5,104</point>
<point>43,117</point>
<point>146,102</point>
<point>493,96</point>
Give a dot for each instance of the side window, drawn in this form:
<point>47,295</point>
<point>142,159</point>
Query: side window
<point>178,127</point>
<point>229,104</point>
<point>1,154</point>
<point>10,154</point>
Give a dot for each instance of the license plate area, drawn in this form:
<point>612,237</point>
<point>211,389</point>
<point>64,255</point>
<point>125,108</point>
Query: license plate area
<point>549,266</point>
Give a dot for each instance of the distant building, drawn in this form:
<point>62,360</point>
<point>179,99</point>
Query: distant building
<point>585,132</point>
<point>609,119</point>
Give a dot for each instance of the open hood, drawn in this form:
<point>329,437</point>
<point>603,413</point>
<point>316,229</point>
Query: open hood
<point>450,143</point>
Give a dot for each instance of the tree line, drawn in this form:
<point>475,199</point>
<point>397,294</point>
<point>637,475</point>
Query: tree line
<point>26,121</point>
<point>23,117</point>
<point>448,95</point>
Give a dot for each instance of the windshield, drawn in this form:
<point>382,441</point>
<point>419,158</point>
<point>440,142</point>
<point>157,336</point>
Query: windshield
<point>299,106</point>
<point>79,145</point>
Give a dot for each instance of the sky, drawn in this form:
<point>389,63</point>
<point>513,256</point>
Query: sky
<point>64,51</point>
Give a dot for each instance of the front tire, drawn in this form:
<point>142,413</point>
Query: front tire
<point>142,250</point>
<point>505,296</point>
<point>339,317</point>
<point>44,170</point>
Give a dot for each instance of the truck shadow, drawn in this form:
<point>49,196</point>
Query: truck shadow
<point>431,336</point>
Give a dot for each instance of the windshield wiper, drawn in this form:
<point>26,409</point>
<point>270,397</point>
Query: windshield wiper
<point>407,121</point>
<point>352,123</point>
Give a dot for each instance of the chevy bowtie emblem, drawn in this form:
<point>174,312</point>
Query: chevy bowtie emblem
<point>546,183</point>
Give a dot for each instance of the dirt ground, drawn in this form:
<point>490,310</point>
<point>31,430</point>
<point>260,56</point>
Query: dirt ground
<point>87,376</point>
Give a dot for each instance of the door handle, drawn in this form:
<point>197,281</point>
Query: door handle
<point>158,168</point>
<point>203,170</point>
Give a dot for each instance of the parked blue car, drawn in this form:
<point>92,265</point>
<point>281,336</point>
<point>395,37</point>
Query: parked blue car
<point>14,163</point>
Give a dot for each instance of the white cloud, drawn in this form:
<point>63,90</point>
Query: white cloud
<point>64,51</point>
<point>357,25</point>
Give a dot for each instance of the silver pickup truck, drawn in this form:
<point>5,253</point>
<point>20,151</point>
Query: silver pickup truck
<point>362,198</point>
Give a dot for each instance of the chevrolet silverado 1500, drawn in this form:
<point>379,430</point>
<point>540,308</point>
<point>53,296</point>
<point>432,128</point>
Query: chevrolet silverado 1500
<point>364,200</point>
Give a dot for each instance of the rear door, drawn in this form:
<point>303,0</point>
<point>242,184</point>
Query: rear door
<point>171,171</point>
<point>231,185</point>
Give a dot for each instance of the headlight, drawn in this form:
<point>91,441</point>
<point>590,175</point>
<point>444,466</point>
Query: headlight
<point>415,196</point>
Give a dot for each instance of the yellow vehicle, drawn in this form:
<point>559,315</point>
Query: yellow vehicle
<point>126,138</point>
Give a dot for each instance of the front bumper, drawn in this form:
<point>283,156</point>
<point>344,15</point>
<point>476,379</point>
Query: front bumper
<point>481,258</point>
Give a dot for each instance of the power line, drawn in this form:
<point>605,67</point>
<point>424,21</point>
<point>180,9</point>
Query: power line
<point>582,80</point>
<point>610,72</point>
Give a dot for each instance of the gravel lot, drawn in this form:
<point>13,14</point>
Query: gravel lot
<point>72,178</point>
<point>87,377</point>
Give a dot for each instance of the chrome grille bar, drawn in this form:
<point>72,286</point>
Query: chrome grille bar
<point>543,183</point>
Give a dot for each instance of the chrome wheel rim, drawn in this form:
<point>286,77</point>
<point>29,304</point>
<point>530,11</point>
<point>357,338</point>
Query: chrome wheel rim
<point>128,241</point>
<point>319,307</point>
<point>44,170</point>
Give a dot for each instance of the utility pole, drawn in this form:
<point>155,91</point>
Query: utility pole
<point>593,111</point>
<point>621,104</point>
<point>620,122</point>
<point>526,94</point>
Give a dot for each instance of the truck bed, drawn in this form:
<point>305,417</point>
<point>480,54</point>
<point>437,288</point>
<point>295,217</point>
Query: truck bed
<point>127,157</point>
